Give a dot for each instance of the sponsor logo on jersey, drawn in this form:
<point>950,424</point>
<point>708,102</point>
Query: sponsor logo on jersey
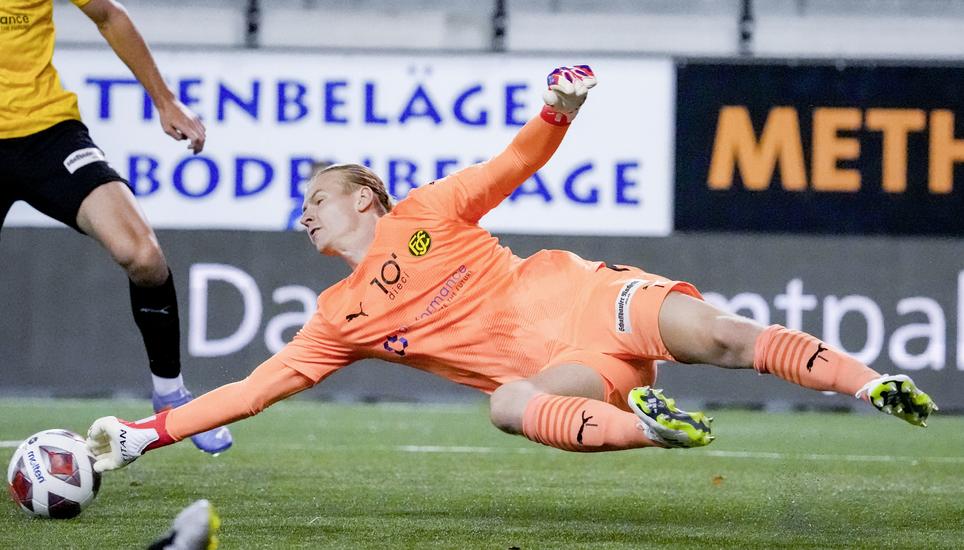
<point>447,292</point>
<point>82,157</point>
<point>396,344</point>
<point>419,243</point>
<point>391,278</point>
<point>13,22</point>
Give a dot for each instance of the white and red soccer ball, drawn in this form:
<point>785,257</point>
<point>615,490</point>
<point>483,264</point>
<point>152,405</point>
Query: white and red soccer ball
<point>52,475</point>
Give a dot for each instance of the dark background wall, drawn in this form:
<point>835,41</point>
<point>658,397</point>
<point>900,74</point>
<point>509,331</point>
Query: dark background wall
<point>66,327</point>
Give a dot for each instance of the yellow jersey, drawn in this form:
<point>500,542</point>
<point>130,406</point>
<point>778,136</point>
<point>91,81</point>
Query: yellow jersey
<point>31,96</point>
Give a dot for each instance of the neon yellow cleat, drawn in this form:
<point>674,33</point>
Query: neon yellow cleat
<point>899,396</point>
<point>194,528</point>
<point>664,423</point>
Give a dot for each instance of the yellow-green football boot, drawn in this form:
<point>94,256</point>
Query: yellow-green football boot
<point>666,424</point>
<point>195,528</point>
<point>899,396</point>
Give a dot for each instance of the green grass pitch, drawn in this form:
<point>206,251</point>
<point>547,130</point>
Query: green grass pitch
<point>310,475</point>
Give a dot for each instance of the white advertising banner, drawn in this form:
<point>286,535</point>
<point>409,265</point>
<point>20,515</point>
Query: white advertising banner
<point>411,118</point>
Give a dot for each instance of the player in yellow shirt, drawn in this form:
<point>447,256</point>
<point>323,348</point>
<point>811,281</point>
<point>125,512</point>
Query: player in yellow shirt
<point>50,162</point>
<point>565,346</point>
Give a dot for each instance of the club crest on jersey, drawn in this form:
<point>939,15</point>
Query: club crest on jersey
<point>419,243</point>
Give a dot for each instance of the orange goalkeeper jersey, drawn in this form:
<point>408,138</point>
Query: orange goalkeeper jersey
<point>437,292</point>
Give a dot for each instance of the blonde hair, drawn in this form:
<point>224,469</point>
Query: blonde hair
<point>355,176</point>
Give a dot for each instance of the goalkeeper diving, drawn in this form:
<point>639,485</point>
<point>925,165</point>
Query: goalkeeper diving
<point>565,347</point>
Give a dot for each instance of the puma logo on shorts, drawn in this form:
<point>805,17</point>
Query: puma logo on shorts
<point>82,157</point>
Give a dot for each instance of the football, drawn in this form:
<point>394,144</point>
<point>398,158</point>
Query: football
<point>51,475</point>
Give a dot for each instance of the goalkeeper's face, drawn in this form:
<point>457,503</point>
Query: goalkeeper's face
<point>331,214</point>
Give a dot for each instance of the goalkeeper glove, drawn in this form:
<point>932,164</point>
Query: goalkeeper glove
<point>115,443</point>
<point>568,87</point>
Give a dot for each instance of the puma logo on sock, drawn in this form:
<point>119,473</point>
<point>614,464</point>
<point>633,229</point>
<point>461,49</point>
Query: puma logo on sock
<point>585,422</point>
<point>816,354</point>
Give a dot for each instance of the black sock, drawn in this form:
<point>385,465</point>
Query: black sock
<point>155,312</point>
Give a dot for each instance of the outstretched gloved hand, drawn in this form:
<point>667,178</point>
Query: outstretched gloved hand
<point>567,91</point>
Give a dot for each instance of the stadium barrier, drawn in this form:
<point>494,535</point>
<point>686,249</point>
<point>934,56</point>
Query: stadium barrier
<point>820,148</point>
<point>412,119</point>
<point>896,303</point>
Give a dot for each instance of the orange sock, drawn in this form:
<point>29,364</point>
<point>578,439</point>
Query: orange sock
<point>806,361</point>
<point>581,424</point>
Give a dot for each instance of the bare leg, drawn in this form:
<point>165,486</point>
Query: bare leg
<point>111,216</point>
<point>697,332</point>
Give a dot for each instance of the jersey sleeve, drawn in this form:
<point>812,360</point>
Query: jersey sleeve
<point>471,192</point>
<point>314,351</point>
<point>80,3</point>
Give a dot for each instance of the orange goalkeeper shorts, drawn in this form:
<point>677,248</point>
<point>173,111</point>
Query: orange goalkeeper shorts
<point>616,331</point>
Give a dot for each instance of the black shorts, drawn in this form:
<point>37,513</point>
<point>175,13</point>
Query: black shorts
<point>52,170</point>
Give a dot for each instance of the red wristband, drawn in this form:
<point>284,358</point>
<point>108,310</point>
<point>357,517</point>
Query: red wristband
<point>158,424</point>
<point>553,117</point>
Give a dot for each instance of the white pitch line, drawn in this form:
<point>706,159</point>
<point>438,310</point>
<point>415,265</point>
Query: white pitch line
<point>457,449</point>
<point>838,458</point>
<point>756,455</point>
